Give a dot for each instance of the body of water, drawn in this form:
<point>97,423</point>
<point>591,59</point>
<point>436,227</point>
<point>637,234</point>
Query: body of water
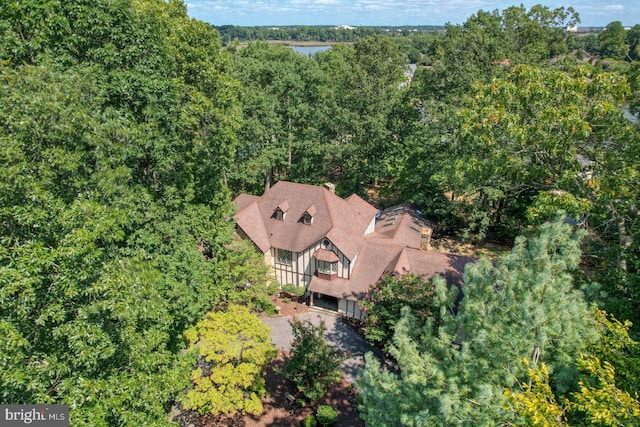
<point>310,50</point>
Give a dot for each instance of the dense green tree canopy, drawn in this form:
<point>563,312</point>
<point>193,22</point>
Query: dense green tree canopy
<point>113,225</point>
<point>316,33</point>
<point>282,99</point>
<point>483,46</point>
<point>612,41</point>
<point>310,120</point>
<point>365,82</point>
<point>125,128</point>
<point>633,40</point>
<point>385,300</point>
<point>533,134</point>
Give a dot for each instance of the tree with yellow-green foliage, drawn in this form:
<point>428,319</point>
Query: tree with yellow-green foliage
<point>599,402</point>
<point>234,347</point>
<point>536,402</point>
<point>600,399</point>
<point>607,392</point>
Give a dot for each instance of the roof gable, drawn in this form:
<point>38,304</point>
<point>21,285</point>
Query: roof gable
<point>311,210</point>
<point>400,264</point>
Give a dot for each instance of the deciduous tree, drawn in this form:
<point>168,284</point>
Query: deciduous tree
<point>282,98</point>
<point>112,202</point>
<point>234,347</point>
<point>385,299</point>
<point>534,132</point>
<point>605,396</point>
<point>612,41</point>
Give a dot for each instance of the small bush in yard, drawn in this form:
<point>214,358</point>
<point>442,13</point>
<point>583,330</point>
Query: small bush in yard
<point>309,421</point>
<point>326,415</point>
<point>293,289</point>
<point>312,363</point>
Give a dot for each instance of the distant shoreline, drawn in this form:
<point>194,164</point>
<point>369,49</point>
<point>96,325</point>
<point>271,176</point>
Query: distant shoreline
<point>300,43</point>
<point>293,43</point>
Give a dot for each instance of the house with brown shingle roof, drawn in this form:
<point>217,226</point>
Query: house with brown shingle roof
<point>337,248</point>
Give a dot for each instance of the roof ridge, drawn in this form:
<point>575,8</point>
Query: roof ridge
<point>324,193</point>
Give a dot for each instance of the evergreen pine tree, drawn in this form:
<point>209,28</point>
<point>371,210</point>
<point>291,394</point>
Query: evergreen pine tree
<point>523,307</point>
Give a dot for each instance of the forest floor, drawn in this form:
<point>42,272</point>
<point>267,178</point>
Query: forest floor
<point>451,245</point>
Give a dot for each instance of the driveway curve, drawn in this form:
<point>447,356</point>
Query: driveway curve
<point>338,335</point>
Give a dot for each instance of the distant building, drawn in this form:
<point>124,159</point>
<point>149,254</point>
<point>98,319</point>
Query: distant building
<point>337,248</point>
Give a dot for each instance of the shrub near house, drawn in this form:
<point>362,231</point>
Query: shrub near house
<point>312,363</point>
<point>384,301</point>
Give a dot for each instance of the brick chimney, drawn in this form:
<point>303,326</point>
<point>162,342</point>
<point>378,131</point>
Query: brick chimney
<point>329,186</point>
<point>426,238</point>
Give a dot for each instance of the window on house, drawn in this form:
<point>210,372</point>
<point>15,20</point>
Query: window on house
<point>280,212</point>
<point>279,215</point>
<point>307,216</point>
<point>284,257</point>
<point>326,267</point>
<point>307,219</point>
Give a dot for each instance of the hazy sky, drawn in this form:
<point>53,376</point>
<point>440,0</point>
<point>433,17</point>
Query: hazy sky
<point>390,12</point>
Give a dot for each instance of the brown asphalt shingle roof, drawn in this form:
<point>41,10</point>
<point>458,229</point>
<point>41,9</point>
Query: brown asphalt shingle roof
<point>244,200</point>
<point>325,255</point>
<point>393,248</point>
<point>400,225</point>
<point>342,221</point>
<point>374,260</point>
<point>252,224</point>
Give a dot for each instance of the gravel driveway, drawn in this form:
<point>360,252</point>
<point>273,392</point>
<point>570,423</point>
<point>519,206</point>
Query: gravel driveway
<point>338,335</point>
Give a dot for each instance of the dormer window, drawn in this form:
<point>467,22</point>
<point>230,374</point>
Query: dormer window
<point>307,216</point>
<point>280,211</point>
